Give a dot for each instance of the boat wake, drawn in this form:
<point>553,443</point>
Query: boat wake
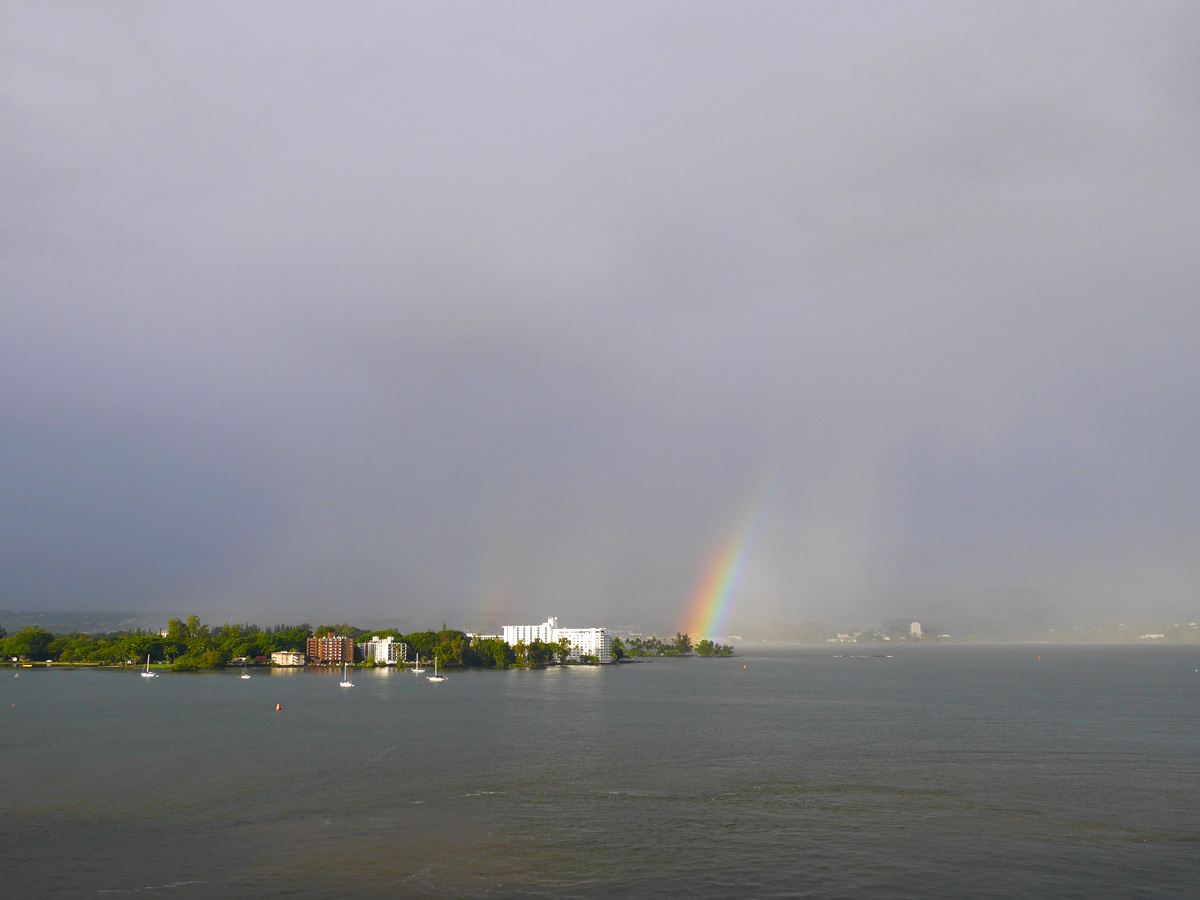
<point>149,887</point>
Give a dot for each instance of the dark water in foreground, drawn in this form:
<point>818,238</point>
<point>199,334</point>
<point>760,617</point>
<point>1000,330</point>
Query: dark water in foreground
<point>942,771</point>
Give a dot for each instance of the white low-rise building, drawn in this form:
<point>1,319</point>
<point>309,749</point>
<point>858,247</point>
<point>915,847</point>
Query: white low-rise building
<point>584,641</point>
<point>287,658</point>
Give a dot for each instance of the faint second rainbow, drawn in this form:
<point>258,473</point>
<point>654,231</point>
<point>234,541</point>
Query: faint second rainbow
<point>718,587</point>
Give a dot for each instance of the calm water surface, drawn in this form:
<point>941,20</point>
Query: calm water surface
<point>940,771</point>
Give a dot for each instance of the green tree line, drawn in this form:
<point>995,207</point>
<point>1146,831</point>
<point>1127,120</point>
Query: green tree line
<point>680,645</point>
<point>186,645</point>
<point>190,644</point>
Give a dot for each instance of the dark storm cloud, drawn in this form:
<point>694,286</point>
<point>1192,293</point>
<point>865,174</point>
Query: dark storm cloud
<point>467,311</point>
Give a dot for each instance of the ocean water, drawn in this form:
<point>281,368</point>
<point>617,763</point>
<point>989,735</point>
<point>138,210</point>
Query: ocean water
<point>850,771</point>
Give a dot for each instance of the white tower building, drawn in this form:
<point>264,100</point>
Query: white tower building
<point>386,650</point>
<point>515,634</point>
<point>587,642</point>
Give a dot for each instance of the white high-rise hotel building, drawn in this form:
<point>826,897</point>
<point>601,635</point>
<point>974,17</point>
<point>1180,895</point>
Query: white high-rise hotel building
<point>584,641</point>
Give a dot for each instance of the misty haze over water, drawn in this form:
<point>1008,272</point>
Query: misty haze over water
<point>479,313</point>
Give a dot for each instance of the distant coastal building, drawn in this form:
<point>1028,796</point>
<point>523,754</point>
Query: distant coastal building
<point>387,650</point>
<point>332,650</point>
<point>287,658</point>
<point>584,641</point>
<point>914,630</point>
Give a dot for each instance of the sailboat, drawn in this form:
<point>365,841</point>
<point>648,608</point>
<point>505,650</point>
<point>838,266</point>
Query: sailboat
<point>417,670</point>
<point>244,674</point>
<point>346,682</point>
<point>147,673</point>
<point>435,676</point>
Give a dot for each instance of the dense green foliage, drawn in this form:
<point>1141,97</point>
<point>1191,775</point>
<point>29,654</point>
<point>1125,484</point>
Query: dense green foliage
<point>680,645</point>
<point>346,630</point>
<point>710,648</point>
<point>494,652</point>
<point>186,645</point>
<point>452,648</point>
<point>30,642</point>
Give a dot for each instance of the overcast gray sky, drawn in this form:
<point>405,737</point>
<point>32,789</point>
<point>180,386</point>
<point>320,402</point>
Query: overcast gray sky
<point>480,312</point>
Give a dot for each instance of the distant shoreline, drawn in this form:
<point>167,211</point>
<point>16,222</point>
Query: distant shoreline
<point>835,650</point>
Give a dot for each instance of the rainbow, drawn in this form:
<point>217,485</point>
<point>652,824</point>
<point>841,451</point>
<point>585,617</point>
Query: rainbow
<point>712,599</point>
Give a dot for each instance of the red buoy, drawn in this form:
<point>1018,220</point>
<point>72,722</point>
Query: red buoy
<point>278,707</point>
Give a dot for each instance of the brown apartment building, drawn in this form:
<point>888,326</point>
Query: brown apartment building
<point>330,650</point>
